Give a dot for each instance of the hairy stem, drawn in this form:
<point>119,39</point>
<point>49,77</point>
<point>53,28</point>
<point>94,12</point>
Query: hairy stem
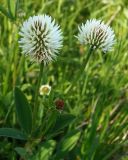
<point>36,102</point>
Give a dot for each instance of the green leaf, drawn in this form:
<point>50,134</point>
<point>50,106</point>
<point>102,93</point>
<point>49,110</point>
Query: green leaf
<point>13,7</point>
<point>63,120</point>
<point>67,143</point>
<point>4,11</point>
<point>22,152</point>
<point>16,8</point>
<point>10,7</point>
<point>13,133</point>
<point>23,110</point>
<point>50,121</point>
<point>45,150</point>
<point>115,149</point>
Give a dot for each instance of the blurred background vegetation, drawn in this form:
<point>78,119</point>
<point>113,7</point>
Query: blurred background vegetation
<point>98,100</point>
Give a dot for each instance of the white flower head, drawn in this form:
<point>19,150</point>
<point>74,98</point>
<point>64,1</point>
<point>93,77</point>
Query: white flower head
<point>45,89</point>
<point>41,38</point>
<point>96,34</point>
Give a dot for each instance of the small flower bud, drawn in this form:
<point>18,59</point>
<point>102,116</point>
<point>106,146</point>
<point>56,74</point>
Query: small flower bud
<point>59,104</point>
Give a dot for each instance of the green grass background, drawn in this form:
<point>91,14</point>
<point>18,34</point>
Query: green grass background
<point>99,98</point>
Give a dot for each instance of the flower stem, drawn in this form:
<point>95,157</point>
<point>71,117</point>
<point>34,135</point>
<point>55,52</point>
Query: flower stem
<point>85,64</point>
<point>36,102</point>
<point>83,67</point>
<point>88,57</point>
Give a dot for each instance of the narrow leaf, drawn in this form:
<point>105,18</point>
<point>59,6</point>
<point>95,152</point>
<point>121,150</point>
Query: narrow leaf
<point>9,7</point>
<point>45,151</point>
<point>62,121</point>
<point>23,110</point>
<point>22,152</point>
<point>67,143</point>
<point>4,11</point>
<point>13,133</point>
<point>16,8</point>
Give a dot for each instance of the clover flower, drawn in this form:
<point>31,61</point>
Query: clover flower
<point>40,38</point>
<point>59,104</point>
<point>45,89</point>
<point>96,34</point>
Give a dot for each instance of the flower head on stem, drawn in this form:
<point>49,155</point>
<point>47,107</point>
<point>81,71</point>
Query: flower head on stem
<point>96,34</point>
<point>40,38</point>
